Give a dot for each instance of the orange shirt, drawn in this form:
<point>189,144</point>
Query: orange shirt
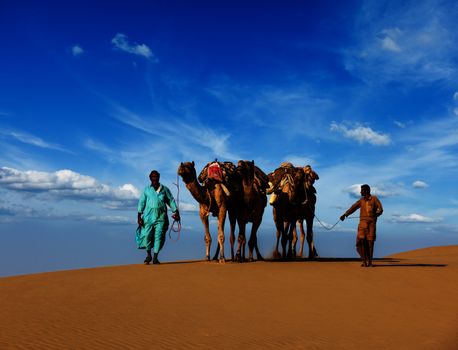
<point>370,208</point>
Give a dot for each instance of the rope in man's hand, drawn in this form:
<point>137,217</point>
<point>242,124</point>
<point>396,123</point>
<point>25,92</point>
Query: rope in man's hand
<point>330,228</point>
<point>176,221</point>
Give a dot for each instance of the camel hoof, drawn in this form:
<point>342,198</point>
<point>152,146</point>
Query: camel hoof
<point>260,258</point>
<point>277,255</point>
<point>207,258</point>
<point>222,260</point>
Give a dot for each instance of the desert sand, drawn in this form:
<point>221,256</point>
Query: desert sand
<point>408,301</point>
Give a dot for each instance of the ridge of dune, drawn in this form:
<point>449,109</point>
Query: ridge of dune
<point>449,251</point>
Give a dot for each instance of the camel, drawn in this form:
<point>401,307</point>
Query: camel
<point>285,206</point>
<point>306,211</point>
<point>251,208</point>
<point>212,199</point>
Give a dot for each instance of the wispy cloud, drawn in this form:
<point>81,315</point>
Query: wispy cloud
<point>16,212</point>
<point>182,135</point>
<point>121,42</point>
<point>400,124</point>
<point>413,218</point>
<point>455,96</point>
<point>413,43</point>
<point>362,134</point>
<point>389,39</point>
<point>77,50</point>
<point>299,160</point>
<point>31,140</point>
<point>111,219</point>
<point>291,110</point>
<point>419,184</point>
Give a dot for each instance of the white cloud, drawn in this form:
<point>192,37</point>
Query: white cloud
<point>120,42</point>
<point>381,191</point>
<point>419,184</point>
<point>362,134</point>
<point>66,184</point>
<point>455,96</point>
<point>77,50</point>
<point>188,207</point>
<point>412,218</point>
<point>455,111</point>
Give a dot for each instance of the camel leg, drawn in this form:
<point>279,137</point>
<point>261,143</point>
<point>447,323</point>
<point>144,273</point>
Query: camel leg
<point>293,238</point>
<point>285,240</point>
<point>301,228</point>
<point>244,245</point>
<point>290,226</point>
<point>221,222</point>
<point>232,222</point>
<point>277,249</point>
<point>215,257</point>
<point>208,237</point>
<point>240,241</point>
<point>279,230</point>
<point>312,250</point>
<point>253,242</point>
<point>281,237</point>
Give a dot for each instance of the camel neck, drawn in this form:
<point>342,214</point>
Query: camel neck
<point>197,191</point>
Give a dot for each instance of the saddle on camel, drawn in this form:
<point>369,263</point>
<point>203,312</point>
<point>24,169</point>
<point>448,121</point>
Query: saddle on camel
<point>284,175</point>
<point>223,173</point>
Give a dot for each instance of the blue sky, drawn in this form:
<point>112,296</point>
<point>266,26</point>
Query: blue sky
<point>93,96</point>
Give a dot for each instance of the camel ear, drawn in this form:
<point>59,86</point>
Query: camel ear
<point>181,163</point>
<point>192,163</point>
<point>252,162</point>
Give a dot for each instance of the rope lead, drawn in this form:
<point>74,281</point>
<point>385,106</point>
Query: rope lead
<point>178,222</point>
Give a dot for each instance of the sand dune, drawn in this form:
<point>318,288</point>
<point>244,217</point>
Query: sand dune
<point>408,301</point>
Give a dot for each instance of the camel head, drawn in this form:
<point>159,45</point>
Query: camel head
<point>310,177</point>
<point>292,184</point>
<point>187,171</point>
<point>245,169</point>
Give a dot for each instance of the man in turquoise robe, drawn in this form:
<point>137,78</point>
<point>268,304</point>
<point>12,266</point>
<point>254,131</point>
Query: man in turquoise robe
<point>152,217</point>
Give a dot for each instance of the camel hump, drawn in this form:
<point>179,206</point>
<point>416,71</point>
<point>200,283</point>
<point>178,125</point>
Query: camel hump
<point>261,179</point>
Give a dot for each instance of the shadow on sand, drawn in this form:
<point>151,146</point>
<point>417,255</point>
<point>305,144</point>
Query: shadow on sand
<point>378,262</point>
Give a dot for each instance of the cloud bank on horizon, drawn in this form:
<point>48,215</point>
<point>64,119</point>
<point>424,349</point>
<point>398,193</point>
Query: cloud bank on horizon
<point>84,117</point>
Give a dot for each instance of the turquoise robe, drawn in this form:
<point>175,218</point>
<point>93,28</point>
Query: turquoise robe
<point>153,206</point>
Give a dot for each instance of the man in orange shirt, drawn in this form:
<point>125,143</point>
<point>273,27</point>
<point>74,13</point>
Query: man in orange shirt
<point>370,209</point>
